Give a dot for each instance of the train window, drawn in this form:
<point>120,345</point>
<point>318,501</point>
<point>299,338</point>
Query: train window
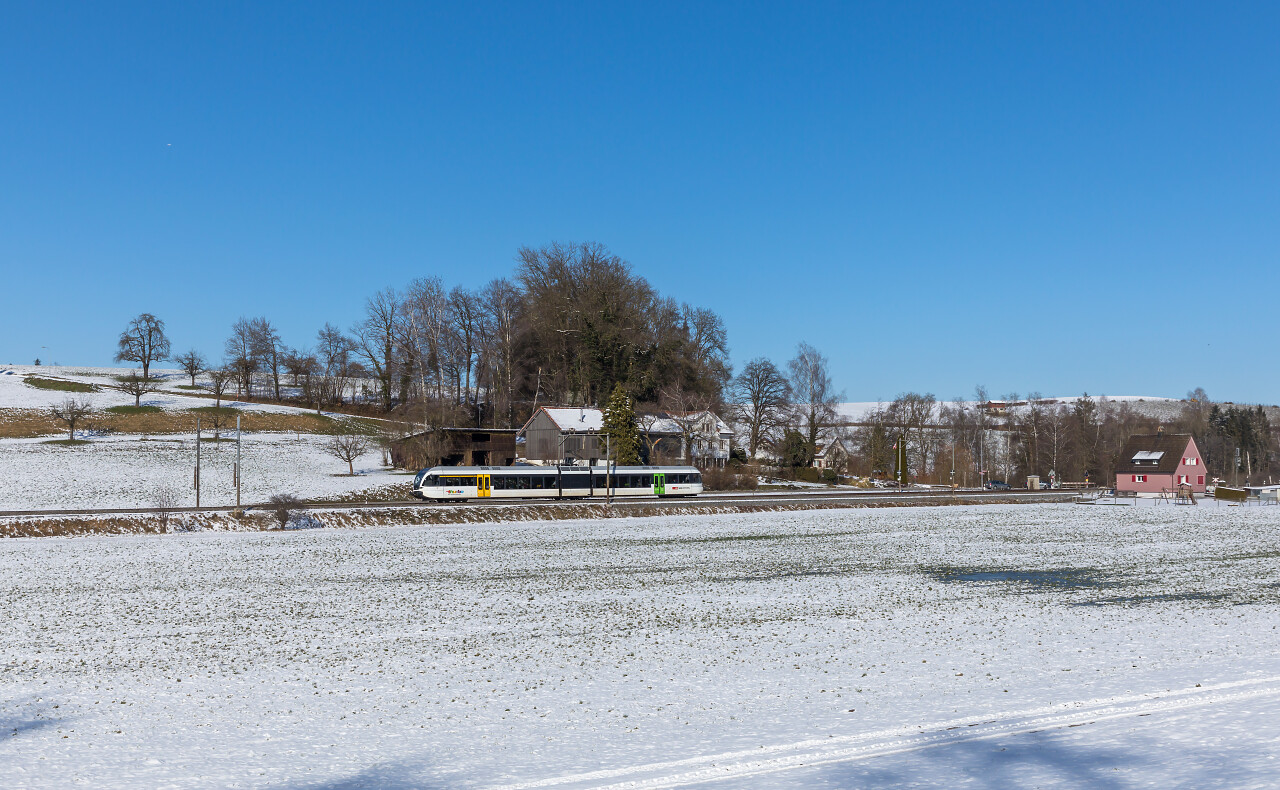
<point>499,483</point>
<point>537,481</point>
<point>696,478</point>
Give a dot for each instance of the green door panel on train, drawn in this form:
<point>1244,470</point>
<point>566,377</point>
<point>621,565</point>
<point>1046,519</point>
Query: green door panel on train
<point>660,484</point>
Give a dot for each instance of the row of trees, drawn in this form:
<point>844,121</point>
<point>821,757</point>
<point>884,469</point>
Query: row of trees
<point>784,415</point>
<point>572,323</point>
<point>1077,440</point>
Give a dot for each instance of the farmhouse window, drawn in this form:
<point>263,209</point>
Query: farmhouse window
<point>1199,480</point>
<point>1139,478</point>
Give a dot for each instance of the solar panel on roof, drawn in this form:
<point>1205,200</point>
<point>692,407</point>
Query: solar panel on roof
<point>1148,455</point>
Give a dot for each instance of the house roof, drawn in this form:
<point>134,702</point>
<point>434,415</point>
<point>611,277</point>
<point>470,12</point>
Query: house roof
<point>590,420</point>
<point>1159,453</point>
<point>823,449</point>
<point>665,423</point>
<point>583,420</point>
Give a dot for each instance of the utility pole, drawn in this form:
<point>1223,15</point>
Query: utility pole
<point>197,462</point>
<point>237,462</point>
<point>608,493</point>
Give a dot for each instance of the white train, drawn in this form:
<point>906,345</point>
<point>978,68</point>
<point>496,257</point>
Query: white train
<point>460,483</point>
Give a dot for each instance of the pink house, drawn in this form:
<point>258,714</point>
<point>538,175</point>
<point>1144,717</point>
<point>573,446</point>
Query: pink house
<point>1152,464</point>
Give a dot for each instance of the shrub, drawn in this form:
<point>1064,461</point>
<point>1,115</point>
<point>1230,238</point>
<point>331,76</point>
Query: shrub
<point>283,507</point>
<point>724,480</point>
<point>807,474</point>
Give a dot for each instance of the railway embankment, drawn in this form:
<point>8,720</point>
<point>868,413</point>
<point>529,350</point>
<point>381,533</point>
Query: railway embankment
<point>259,518</point>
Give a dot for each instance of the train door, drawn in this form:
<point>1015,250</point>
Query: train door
<point>660,484</point>
<point>484,485</point>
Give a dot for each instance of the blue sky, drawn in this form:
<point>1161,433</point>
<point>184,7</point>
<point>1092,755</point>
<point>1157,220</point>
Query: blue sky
<point>1055,197</point>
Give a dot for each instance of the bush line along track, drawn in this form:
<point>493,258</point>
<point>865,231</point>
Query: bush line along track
<point>791,500</point>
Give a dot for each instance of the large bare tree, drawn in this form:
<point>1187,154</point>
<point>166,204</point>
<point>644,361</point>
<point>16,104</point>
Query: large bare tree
<point>913,413</point>
<point>333,351</point>
<point>464,317</point>
<point>143,342</point>
<point>502,325</point>
<point>239,348</point>
<point>814,398</point>
<point>760,396</point>
<point>267,348</point>
<point>377,338</point>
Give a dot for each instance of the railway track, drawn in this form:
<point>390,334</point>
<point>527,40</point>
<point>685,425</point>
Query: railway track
<point>755,499</point>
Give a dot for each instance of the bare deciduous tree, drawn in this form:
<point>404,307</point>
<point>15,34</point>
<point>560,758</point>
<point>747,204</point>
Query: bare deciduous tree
<point>464,318</point>
<point>192,363</point>
<point>71,411</point>
<point>220,381</point>
<point>688,410</point>
<point>267,349</point>
<point>164,501</point>
<point>377,338</point>
<point>812,393</point>
<point>502,326</point>
<point>760,394</point>
<point>143,342</point>
<point>334,351</point>
<point>348,447</point>
<point>137,386</point>
<point>914,415</point>
<point>240,355</point>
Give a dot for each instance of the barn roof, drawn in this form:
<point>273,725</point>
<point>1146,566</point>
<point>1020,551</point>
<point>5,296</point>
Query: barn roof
<point>583,420</point>
<point>1153,453</point>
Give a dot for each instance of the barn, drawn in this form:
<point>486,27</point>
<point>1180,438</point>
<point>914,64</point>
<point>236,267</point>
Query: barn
<point>1152,464</point>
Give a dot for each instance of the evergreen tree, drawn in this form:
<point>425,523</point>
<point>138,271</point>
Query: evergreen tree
<point>794,450</point>
<point>622,429</point>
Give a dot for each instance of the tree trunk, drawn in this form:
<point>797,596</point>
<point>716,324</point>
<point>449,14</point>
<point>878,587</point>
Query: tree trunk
<point>351,467</point>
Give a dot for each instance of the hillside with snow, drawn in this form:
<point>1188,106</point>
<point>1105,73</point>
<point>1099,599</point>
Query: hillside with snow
<point>108,468</point>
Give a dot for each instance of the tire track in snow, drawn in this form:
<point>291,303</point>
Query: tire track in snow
<point>815,752</point>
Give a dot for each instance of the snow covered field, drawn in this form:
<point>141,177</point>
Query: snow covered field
<point>15,394</point>
<point>127,471</point>
<point>993,646</point>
